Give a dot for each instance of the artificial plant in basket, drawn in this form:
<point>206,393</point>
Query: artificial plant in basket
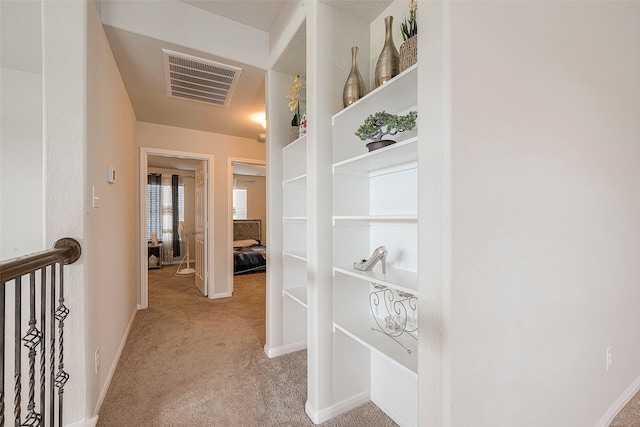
<point>409,26</point>
<point>409,29</point>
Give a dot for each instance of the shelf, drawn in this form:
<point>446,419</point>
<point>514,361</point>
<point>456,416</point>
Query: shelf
<point>299,181</point>
<point>294,219</point>
<point>301,255</point>
<point>385,97</point>
<point>400,153</point>
<point>374,218</point>
<point>299,295</point>
<point>298,146</point>
<point>402,280</point>
<point>359,328</point>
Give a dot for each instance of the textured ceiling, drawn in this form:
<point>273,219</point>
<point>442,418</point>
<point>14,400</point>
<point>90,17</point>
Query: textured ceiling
<point>258,14</point>
<point>363,10</point>
<point>293,60</point>
<point>139,60</point>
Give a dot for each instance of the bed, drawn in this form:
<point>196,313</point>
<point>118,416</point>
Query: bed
<point>249,254</point>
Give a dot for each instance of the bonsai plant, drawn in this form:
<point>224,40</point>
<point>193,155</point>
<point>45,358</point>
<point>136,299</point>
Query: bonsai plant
<point>380,124</point>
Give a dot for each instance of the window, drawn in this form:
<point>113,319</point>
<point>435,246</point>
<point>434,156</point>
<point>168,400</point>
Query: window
<point>239,203</point>
<point>160,205</point>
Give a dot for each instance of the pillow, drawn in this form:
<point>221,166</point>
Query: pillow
<point>244,243</point>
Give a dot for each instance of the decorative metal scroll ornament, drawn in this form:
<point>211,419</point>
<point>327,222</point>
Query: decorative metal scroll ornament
<point>399,312</point>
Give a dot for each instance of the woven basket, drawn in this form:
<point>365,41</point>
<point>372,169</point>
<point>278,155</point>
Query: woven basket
<point>408,53</point>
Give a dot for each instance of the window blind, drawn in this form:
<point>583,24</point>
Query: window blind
<point>239,203</point>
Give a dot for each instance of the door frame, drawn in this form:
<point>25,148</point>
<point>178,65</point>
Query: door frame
<point>143,288</point>
<point>230,162</point>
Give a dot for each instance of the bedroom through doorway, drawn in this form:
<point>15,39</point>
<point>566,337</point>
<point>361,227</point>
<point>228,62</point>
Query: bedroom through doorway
<point>248,225</point>
<point>174,209</point>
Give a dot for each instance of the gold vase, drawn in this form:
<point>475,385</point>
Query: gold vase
<point>354,87</point>
<point>388,65</point>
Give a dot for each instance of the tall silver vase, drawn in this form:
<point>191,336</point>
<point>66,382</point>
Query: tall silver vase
<point>388,64</point>
<point>354,87</point>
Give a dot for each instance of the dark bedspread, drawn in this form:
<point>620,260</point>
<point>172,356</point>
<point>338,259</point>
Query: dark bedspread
<point>249,259</point>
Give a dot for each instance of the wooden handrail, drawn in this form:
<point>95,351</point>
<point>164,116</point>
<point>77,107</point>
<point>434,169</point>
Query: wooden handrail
<point>66,249</point>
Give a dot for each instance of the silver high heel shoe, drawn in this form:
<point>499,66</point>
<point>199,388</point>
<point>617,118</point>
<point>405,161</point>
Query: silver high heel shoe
<point>380,254</point>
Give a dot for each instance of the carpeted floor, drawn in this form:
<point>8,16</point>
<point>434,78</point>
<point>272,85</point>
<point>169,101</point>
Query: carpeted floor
<point>191,361</point>
<point>630,414</point>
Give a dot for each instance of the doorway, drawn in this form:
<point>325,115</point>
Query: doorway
<point>248,180</point>
<point>203,237</point>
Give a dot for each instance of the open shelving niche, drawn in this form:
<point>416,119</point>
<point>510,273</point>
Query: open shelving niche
<point>294,194</point>
<point>375,202</point>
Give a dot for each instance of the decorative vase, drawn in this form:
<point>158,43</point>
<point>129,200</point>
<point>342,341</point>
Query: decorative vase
<point>380,144</point>
<point>354,87</point>
<point>408,53</point>
<point>294,133</point>
<point>388,64</point>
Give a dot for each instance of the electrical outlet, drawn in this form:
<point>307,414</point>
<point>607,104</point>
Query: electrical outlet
<point>97,359</point>
<point>609,357</point>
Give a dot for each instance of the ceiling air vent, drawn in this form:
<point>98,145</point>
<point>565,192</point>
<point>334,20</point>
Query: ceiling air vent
<point>198,79</point>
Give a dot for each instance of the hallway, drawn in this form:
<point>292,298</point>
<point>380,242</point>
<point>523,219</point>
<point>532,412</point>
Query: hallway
<point>191,361</point>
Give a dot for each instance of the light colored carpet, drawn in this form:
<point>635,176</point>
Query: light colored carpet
<point>630,414</point>
<point>191,361</point>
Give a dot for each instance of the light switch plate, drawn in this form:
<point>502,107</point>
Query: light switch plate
<point>111,175</point>
<point>95,200</point>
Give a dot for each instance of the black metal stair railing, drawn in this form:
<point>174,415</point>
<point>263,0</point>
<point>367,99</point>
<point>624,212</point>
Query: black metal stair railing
<point>44,273</point>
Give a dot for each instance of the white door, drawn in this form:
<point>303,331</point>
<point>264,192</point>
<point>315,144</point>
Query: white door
<point>201,229</point>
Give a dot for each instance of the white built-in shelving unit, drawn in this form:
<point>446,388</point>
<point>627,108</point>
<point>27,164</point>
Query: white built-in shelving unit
<point>287,190</point>
<point>332,203</point>
<point>294,198</point>
<point>375,203</point>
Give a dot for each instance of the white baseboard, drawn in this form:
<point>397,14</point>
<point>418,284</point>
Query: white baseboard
<point>220,295</point>
<point>114,365</point>
<point>285,349</point>
<point>388,409</point>
<point>620,403</point>
<point>91,422</point>
<point>318,417</point>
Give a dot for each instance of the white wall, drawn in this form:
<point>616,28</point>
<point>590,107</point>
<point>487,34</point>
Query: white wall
<point>20,163</point>
<point>64,31</point>
<point>111,247</point>
<point>221,147</point>
<point>544,151</point>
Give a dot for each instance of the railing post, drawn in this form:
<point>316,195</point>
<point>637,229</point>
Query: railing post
<point>52,348</point>
<point>17,377</point>
<point>2,313</point>
<point>43,348</point>
<point>61,315</point>
<point>31,341</point>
